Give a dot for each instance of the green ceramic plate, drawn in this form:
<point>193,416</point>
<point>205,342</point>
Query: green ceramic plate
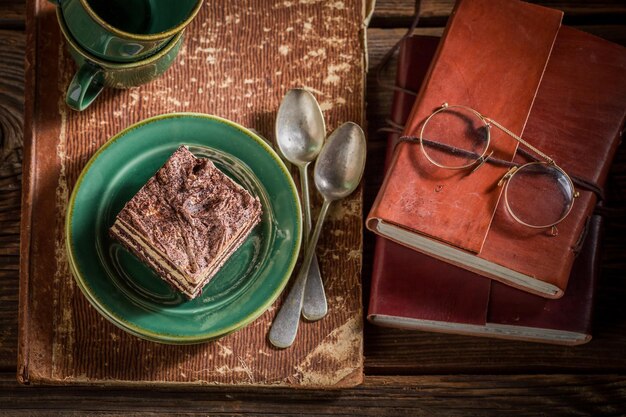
<point>127,292</point>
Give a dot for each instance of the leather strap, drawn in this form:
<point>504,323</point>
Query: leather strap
<point>579,182</point>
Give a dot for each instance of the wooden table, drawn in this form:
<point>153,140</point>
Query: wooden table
<point>407,373</point>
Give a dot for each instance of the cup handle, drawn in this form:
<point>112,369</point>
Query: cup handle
<point>86,85</point>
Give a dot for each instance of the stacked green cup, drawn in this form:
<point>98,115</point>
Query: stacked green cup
<point>120,43</point>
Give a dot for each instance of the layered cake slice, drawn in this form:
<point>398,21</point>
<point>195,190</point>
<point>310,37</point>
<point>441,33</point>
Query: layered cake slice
<point>186,221</point>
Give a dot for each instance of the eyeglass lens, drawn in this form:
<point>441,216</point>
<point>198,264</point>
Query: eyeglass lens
<point>463,134</point>
<point>539,194</point>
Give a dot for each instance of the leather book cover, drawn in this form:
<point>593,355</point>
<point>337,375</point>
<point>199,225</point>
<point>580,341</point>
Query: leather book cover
<point>439,216</point>
<point>415,291</point>
<point>236,62</point>
<point>432,295</point>
<point>472,67</point>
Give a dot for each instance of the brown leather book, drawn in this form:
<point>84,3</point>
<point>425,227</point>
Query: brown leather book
<point>415,291</point>
<point>566,94</point>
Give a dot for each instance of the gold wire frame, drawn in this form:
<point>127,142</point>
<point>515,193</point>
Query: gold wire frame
<point>515,170</point>
<point>506,179</point>
<point>446,107</point>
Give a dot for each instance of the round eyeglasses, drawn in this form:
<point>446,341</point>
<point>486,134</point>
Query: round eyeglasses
<point>537,194</point>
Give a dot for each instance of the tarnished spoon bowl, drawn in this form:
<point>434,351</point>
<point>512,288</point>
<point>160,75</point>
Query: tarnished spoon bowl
<point>341,162</point>
<point>300,127</point>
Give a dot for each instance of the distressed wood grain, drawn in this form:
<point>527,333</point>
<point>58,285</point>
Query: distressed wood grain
<point>485,395</point>
<point>12,14</point>
<point>11,134</point>
<point>575,7</point>
<point>394,13</point>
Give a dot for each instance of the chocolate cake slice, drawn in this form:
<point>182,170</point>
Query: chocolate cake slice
<point>186,221</point>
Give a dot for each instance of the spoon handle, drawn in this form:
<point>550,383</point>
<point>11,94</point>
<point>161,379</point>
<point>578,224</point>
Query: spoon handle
<point>306,201</point>
<point>285,326</point>
<point>315,306</point>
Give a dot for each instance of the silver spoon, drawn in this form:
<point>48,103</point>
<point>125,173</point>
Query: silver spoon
<point>338,171</point>
<point>300,134</point>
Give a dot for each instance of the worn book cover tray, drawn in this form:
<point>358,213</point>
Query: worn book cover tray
<point>236,62</point>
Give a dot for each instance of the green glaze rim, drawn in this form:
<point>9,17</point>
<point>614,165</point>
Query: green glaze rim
<point>136,36</point>
<point>110,64</point>
<point>164,337</point>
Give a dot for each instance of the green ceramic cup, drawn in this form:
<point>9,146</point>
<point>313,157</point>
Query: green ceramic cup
<point>126,30</point>
<point>95,74</point>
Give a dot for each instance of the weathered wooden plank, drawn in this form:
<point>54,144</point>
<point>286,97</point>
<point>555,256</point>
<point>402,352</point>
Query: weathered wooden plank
<point>394,9</point>
<point>11,127</point>
<point>390,13</point>
<point>578,9</point>
<point>394,396</point>
<point>12,14</point>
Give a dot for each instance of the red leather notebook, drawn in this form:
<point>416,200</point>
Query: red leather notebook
<point>415,291</point>
<point>566,94</point>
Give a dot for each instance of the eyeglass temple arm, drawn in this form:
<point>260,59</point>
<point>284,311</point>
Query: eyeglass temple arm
<point>506,176</point>
<point>519,139</point>
<point>481,161</point>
